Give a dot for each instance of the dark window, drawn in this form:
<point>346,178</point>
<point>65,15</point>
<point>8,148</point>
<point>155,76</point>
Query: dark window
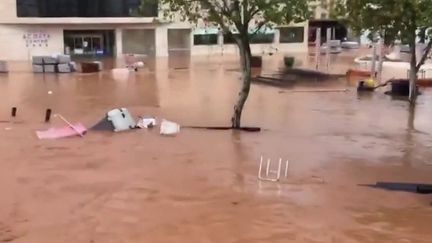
<point>253,39</point>
<point>84,8</point>
<point>261,38</point>
<point>229,39</point>
<point>206,39</point>
<point>291,34</point>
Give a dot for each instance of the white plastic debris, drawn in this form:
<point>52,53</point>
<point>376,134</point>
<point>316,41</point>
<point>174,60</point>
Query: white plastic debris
<point>147,122</point>
<point>139,64</point>
<point>169,128</point>
<point>121,119</point>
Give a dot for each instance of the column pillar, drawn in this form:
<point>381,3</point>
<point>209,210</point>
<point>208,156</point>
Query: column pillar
<point>119,42</point>
<point>276,39</point>
<point>161,39</point>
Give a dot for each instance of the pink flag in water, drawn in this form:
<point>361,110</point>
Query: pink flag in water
<point>78,129</point>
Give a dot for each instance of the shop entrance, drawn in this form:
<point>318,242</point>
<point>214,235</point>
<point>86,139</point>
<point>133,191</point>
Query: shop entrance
<point>89,42</point>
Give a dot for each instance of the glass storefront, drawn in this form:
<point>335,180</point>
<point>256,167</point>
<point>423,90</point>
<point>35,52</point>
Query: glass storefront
<point>291,34</point>
<point>89,42</point>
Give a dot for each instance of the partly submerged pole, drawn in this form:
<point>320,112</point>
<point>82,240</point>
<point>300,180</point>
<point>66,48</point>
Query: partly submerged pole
<point>329,36</point>
<point>14,111</point>
<point>48,115</point>
<point>374,54</point>
<point>317,48</point>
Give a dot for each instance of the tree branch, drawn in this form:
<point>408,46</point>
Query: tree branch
<point>425,55</point>
<point>260,25</point>
<point>253,13</point>
<point>246,14</point>
<point>237,10</point>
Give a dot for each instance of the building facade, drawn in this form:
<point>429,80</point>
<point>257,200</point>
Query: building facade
<point>111,28</point>
<point>321,9</point>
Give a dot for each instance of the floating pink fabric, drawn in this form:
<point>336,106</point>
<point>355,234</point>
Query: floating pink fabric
<point>63,132</point>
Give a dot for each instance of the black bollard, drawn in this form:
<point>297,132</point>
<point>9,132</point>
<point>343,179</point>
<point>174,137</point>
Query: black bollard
<point>14,112</point>
<point>48,115</point>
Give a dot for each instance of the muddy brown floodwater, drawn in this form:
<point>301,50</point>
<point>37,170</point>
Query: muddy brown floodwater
<point>201,186</point>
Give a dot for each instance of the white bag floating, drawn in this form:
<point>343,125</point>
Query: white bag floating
<point>121,119</point>
<point>147,122</point>
<point>169,128</point>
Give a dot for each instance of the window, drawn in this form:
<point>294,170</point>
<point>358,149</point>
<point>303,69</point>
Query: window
<point>206,39</point>
<point>229,39</point>
<point>84,8</point>
<point>291,34</point>
<point>259,38</point>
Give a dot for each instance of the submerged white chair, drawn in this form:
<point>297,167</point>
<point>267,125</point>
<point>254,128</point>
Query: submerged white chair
<point>272,175</point>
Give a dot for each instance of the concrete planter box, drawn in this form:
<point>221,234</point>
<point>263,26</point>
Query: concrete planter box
<point>50,68</point>
<point>64,59</point>
<point>38,68</point>
<point>289,61</point>
<point>3,67</point>
<point>89,67</point>
<point>38,60</point>
<point>64,68</point>
<point>100,65</point>
<point>256,61</point>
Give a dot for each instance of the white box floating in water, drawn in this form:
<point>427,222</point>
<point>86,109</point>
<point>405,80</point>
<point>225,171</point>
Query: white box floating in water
<point>169,128</point>
<point>121,119</point>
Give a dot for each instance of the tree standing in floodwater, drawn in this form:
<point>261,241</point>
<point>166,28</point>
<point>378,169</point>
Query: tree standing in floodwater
<point>241,20</point>
<point>394,20</point>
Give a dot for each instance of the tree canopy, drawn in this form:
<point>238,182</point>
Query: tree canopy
<point>392,20</point>
<point>396,20</point>
<point>236,15</point>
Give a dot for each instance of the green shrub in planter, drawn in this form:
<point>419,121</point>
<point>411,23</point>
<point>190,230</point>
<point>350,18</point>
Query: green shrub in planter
<point>289,62</point>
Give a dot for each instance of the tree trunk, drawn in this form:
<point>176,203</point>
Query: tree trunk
<point>411,117</point>
<point>245,60</point>
<point>413,75</point>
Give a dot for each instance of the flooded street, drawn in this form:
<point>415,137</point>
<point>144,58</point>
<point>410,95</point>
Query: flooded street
<point>201,186</point>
